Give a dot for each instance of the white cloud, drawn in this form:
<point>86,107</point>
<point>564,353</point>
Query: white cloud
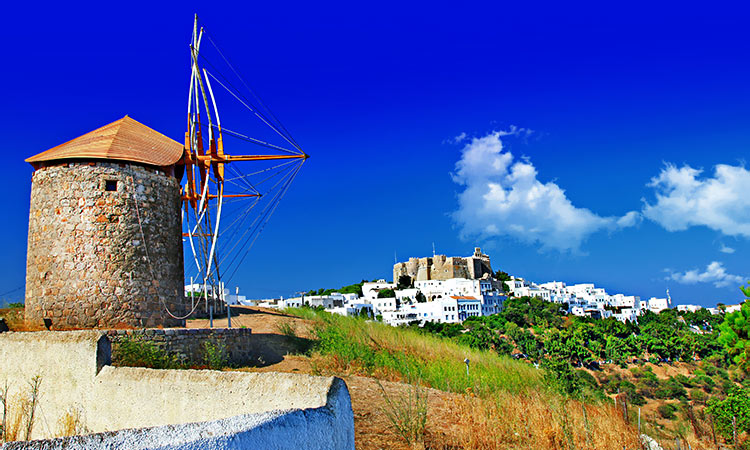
<point>725,249</point>
<point>503,197</point>
<point>460,137</point>
<point>715,273</point>
<point>683,199</point>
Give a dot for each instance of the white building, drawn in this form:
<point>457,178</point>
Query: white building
<point>383,305</point>
<point>657,305</point>
<point>690,308</point>
<point>370,290</point>
<point>353,309</point>
<point>467,307</point>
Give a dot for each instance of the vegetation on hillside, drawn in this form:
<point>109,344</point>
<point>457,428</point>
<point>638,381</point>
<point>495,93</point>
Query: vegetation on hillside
<point>503,403</point>
<point>590,361</point>
<point>350,289</point>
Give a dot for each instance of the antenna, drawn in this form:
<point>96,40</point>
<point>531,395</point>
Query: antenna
<point>395,258</point>
<point>433,249</point>
<point>669,299</point>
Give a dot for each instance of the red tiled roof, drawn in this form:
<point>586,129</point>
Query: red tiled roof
<point>125,139</point>
<point>461,297</point>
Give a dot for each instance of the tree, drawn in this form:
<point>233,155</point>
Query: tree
<point>735,406</point>
<point>503,277</point>
<point>735,333</point>
<point>420,297</point>
<point>404,282</point>
<point>386,293</point>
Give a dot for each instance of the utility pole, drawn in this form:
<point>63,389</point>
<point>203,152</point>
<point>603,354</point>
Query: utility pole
<point>229,307</point>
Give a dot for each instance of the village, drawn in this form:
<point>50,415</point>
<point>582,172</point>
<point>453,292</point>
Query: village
<point>451,289</point>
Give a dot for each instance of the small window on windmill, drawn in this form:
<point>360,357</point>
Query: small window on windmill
<point>110,185</point>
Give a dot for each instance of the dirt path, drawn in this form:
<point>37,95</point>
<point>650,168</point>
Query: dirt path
<point>260,320</point>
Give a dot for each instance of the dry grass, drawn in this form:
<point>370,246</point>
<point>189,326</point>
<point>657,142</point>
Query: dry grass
<point>538,421</point>
<point>71,424</point>
<point>14,319</point>
<point>501,404</point>
<point>19,411</point>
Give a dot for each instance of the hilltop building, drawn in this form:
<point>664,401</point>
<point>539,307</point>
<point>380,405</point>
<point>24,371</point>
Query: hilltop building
<point>441,267</point>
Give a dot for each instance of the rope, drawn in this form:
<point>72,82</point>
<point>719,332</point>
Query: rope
<point>148,258</point>
<point>283,191</point>
<point>258,115</point>
<point>13,290</point>
<point>256,141</point>
<point>253,226</point>
<point>278,122</point>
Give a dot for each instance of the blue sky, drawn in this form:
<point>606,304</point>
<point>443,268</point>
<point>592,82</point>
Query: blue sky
<point>598,108</point>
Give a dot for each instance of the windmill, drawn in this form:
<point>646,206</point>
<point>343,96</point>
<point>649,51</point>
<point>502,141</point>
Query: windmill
<point>225,206</point>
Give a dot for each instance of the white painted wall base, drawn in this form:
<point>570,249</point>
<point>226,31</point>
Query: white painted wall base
<point>135,408</point>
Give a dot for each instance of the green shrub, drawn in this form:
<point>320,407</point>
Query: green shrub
<point>736,406</point>
<point>134,352</point>
<point>670,389</point>
<point>704,380</point>
<point>215,355</point>
<point>560,376</point>
<point>288,328</point>
<point>698,395</point>
<point>667,411</point>
<point>683,380</point>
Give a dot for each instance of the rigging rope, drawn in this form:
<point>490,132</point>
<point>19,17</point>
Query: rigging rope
<point>148,257</point>
<point>226,60</point>
<point>268,216</point>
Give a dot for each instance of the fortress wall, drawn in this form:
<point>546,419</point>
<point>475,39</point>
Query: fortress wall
<point>189,408</point>
<point>88,264</point>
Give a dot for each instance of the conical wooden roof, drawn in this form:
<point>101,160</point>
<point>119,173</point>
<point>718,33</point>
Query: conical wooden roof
<point>125,140</point>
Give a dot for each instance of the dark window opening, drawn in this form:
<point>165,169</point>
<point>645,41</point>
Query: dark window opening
<point>110,185</point>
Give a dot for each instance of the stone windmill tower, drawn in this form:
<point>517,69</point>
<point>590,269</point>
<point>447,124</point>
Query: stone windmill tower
<point>105,237</point>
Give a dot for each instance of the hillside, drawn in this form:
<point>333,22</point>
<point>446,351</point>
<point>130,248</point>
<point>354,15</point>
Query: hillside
<point>512,398</point>
<point>410,387</point>
<point>501,404</point>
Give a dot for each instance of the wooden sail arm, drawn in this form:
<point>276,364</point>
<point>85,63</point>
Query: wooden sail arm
<point>232,158</point>
<point>194,197</point>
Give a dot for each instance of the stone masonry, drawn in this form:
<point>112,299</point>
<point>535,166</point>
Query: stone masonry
<point>441,267</point>
<point>105,247</point>
<point>188,345</point>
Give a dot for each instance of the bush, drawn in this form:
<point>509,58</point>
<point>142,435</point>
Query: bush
<point>735,406</point>
<point>683,380</point>
<point>697,395</point>
<point>670,389</point>
<point>667,411</point>
<point>704,380</point>
<point>215,355</point>
<point>560,376</point>
<point>134,352</point>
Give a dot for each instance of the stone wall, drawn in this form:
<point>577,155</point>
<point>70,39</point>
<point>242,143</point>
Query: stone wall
<point>440,267</point>
<point>189,408</point>
<point>88,263</point>
<point>188,345</point>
